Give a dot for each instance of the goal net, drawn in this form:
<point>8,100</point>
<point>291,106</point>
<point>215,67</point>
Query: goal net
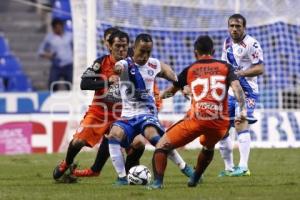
<point>175,24</point>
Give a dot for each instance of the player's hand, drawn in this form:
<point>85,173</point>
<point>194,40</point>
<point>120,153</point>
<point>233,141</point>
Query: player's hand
<point>118,68</point>
<point>240,73</point>
<point>241,116</point>
<point>187,92</point>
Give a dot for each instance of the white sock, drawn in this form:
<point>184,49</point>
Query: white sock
<point>244,139</point>
<point>117,159</point>
<point>226,152</point>
<point>176,158</point>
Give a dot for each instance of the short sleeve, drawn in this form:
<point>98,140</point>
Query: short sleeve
<point>182,79</point>
<point>255,53</point>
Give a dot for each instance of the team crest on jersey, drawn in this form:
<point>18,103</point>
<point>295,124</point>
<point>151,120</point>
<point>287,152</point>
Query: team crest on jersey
<point>240,51</point>
<point>150,72</point>
<point>79,129</point>
<point>96,66</point>
<point>132,71</point>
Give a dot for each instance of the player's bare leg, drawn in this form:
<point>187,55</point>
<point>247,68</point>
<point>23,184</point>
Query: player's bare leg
<point>134,152</point>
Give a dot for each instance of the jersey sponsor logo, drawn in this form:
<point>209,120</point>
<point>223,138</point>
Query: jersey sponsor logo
<point>149,80</point>
<point>154,66</point>
<point>255,45</point>
<point>240,51</point>
<point>113,94</point>
<point>209,106</point>
<point>96,66</point>
<point>150,72</point>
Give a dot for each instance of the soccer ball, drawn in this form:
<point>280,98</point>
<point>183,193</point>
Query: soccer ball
<point>139,175</point>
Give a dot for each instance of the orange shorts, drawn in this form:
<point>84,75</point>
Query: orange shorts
<point>92,129</point>
<point>185,131</point>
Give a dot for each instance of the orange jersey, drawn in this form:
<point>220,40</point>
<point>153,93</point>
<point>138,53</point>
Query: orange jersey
<point>104,105</point>
<point>209,81</point>
<point>158,100</point>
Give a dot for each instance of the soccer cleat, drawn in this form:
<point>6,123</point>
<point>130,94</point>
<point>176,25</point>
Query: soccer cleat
<point>240,171</point>
<point>194,181</point>
<point>225,173</point>
<point>155,185</point>
<point>60,170</point>
<point>187,170</point>
<point>121,181</point>
<point>85,172</point>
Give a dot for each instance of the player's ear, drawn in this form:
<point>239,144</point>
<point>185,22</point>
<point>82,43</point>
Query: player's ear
<point>196,54</point>
<point>213,52</point>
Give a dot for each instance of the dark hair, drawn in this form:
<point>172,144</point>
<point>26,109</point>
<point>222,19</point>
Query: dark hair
<point>109,31</point>
<point>204,45</point>
<point>238,16</point>
<point>143,37</point>
<point>119,34</point>
<point>56,21</point>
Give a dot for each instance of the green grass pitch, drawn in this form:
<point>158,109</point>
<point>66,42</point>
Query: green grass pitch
<point>275,175</point>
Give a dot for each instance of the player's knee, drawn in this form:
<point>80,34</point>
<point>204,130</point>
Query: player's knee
<point>78,143</point>
<point>138,144</point>
<point>116,133</point>
<point>241,126</point>
<point>164,144</point>
<point>161,150</point>
<point>150,131</point>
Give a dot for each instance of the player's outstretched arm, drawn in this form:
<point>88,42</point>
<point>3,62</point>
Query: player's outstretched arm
<point>169,92</point>
<point>90,80</point>
<point>167,72</point>
<point>240,97</point>
<point>254,70</point>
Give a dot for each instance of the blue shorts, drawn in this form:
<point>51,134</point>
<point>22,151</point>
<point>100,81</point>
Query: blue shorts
<point>250,103</point>
<point>136,125</point>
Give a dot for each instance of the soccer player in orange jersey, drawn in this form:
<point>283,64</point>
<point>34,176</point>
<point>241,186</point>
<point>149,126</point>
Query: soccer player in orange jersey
<point>104,109</point>
<point>208,81</point>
